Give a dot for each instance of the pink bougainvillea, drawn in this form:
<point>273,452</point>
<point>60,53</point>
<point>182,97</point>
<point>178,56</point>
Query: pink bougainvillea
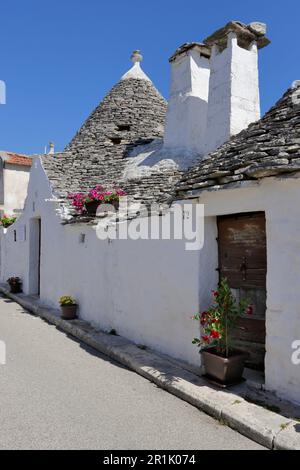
<point>98,193</point>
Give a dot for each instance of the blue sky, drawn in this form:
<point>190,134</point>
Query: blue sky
<point>60,57</point>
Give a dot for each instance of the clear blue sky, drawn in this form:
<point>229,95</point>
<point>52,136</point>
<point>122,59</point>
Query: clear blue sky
<point>60,57</point>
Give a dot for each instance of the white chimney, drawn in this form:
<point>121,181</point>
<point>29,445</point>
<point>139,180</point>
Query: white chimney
<point>187,108</point>
<point>234,101</point>
<point>51,148</point>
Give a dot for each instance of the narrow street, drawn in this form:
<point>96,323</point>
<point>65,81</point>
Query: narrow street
<point>56,393</point>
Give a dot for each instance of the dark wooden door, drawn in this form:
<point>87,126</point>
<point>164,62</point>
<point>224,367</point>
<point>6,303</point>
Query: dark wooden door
<point>243,261</point>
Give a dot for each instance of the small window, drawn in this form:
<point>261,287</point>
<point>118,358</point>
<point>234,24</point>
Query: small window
<point>15,235</point>
<point>124,127</point>
<point>116,140</point>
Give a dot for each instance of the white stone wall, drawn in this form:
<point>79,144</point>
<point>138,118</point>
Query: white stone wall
<point>187,107</point>
<point>234,101</point>
<point>148,290</point>
<point>126,285</point>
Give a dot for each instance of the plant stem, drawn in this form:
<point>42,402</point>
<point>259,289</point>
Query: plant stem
<point>226,337</point>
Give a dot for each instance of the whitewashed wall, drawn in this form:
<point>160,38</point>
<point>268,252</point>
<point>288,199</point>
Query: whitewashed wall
<point>148,290</point>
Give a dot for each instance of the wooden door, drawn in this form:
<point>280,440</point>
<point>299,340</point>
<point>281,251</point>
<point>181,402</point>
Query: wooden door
<point>243,261</point>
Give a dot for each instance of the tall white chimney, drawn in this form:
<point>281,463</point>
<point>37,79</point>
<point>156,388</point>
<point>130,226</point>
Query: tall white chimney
<point>51,148</point>
<point>234,101</point>
<point>187,108</point>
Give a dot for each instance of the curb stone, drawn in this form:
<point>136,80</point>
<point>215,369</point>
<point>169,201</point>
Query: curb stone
<point>265,427</point>
<point>288,438</point>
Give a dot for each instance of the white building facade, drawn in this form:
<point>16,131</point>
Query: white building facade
<point>14,178</point>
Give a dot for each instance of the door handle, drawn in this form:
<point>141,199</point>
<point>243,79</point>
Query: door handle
<point>243,268</point>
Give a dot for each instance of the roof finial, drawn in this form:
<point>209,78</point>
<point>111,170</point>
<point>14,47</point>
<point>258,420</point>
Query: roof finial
<point>136,71</point>
<point>136,56</point>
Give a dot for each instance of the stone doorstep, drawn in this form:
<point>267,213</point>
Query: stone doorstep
<point>269,429</point>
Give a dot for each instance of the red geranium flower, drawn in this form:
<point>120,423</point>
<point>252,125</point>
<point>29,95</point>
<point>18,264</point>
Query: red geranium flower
<point>204,316</point>
<point>250,310</point>
<point>215,334</point>
<point>206,339</point>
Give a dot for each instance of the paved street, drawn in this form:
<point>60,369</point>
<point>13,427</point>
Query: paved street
<point>56,393</point>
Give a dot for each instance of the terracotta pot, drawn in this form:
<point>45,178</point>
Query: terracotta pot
<point>91,207</point>
<point>68,312</point>
<point>225,370</point>
<point>15,288</point>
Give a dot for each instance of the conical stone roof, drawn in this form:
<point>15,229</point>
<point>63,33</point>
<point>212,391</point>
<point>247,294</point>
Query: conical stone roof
<point>131,115</point>
<point>133,110</point>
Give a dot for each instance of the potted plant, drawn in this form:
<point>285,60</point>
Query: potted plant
<point>68,307</point>
<point>89,203</point>
<point>15,285</point>
<point>6,220</point>
<point>223,363</point>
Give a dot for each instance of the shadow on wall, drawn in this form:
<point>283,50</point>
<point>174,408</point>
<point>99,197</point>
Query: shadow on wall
<point>185,149</point>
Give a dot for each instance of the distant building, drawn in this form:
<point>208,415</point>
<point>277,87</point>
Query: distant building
<point>14,176</point>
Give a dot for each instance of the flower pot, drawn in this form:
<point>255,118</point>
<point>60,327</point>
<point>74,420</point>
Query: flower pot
<point>68,312</point>
<point>225,370</point>
<point>15,288</point>
<point>91,207</point>
<point>115,204</point>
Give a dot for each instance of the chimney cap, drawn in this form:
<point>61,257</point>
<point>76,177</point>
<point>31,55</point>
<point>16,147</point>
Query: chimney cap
<point>258,28</point>
<point>204,50</point>
<point>246,34</point>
